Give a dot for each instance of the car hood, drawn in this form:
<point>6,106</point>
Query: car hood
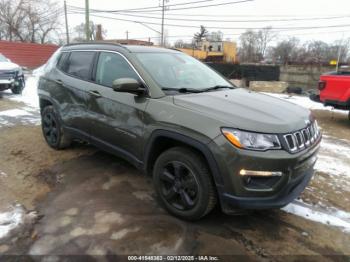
<point>8,66</point>
<point>246,110</point>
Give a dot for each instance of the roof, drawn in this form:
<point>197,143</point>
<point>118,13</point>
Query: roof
<point>118,47</point>
<point>27,54</point>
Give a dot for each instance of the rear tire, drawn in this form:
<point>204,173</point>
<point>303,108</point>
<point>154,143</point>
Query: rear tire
<point>184,184</point>
<point>52,129</point>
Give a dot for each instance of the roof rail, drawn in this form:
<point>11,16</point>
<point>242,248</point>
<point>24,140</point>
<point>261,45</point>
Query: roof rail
<point>97,42</point>
<point>174,48</point>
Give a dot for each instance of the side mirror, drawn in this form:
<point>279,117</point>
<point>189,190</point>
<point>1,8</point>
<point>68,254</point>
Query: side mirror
<point>128,85</point>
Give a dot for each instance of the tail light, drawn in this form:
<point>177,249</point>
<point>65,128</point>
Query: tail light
<point>322,85</point>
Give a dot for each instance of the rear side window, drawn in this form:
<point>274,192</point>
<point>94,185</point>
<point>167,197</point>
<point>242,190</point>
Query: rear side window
<point>62,62</point>
<point>51,63</point>
<point>111,67</point>
<point>80,64</point>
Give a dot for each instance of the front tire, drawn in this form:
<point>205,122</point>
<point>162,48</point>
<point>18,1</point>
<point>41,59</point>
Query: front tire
<point>184,184</point>
<point>52,129</point>
<point>17,90</point>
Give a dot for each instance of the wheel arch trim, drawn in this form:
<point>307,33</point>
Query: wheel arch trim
<point>191,142</point>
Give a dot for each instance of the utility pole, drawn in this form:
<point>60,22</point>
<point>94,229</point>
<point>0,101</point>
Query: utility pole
<point>87,21</point>
<point>162,29</point>
<point>66,18</point>
<point>127,34</point>
<point>339,53</point>
<point>338,59</point>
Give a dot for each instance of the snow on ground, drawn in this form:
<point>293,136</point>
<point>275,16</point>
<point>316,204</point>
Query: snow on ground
<point>29,114</point>
<point>333,217</point>
<point>10,220</point>
<point>29,95</point>
<point>333,159</point>
<point>306,102</point>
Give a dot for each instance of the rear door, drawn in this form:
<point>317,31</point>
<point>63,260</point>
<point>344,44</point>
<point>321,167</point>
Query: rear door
<point>74,78</point>
<point>117,118</point>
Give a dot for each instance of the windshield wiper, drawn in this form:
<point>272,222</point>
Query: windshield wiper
<point>182,90</point>
<point>217,87</point>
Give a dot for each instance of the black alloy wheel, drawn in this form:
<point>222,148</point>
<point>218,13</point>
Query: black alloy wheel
<point>52,130</point>
<point>183,183</point>
<point>179,185</point>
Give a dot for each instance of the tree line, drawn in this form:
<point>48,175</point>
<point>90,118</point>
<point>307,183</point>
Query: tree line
<point>266,46</point>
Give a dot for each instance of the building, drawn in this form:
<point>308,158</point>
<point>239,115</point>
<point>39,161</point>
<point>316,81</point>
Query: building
<point>28,55</point>
<point>215,51</point>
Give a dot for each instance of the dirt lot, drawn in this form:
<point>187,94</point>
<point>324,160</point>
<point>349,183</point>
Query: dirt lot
<point>82,201</point>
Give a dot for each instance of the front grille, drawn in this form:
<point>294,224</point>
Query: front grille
<point>7,74</point>
<point>301,139</point>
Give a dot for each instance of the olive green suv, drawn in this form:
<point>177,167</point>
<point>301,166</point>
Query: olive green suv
<point>203,141</point>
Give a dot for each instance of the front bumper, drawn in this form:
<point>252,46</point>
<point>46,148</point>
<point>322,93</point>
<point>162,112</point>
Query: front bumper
<point>7,81</point>
<point>290,192</point>
<point>10,79</point>
<point>236,192</point>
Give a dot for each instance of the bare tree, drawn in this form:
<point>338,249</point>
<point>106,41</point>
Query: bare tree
<point>264,38</point>
<point>286,51</point>
<point>248,49</point>
<point>29,20</point>
<point>80,35</point>
<point>179,43</point>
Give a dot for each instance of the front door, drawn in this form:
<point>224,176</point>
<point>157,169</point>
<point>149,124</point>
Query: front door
<point>117,118</point>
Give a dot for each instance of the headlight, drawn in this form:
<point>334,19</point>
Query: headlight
<point>250,140</point>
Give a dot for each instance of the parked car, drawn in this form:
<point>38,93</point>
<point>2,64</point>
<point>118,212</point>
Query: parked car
<point>334,89</point>
<point>11,76</point>
<point>202,139</point>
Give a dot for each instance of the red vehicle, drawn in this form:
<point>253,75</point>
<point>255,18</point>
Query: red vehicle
<point>335,89</point>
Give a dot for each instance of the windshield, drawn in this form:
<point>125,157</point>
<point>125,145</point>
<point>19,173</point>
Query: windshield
<point>180,71</point>
<point>3,59</point>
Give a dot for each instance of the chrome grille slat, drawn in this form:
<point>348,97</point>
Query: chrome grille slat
<point>302,139</point>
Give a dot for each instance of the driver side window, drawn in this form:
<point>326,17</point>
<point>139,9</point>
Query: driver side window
<point>112,66</point>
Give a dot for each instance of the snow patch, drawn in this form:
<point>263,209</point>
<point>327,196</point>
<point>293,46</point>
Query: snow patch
<point>10,220</point>
<point>24,116</point>
<point>14,113</point>
<point>333,158</point>
<point>305,102</point>
<point>29,95</point>
<point>335,218</point>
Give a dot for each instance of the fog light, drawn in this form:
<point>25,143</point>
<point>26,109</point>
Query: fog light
<point>244,172</point>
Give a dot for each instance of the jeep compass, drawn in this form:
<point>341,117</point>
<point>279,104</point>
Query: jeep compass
<point>203,141</point>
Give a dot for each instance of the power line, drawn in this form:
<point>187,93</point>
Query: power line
<point>220,27</point>
<point>145,8</point>
<point>244,15</point>
<point>236,21</point>
<point>159,10</point>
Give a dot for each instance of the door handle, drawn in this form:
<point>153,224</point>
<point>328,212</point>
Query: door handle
<point>59,81</point>
<point>94,93</point>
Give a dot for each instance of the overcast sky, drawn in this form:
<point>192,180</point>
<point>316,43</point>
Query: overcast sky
<point>332,18</point>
